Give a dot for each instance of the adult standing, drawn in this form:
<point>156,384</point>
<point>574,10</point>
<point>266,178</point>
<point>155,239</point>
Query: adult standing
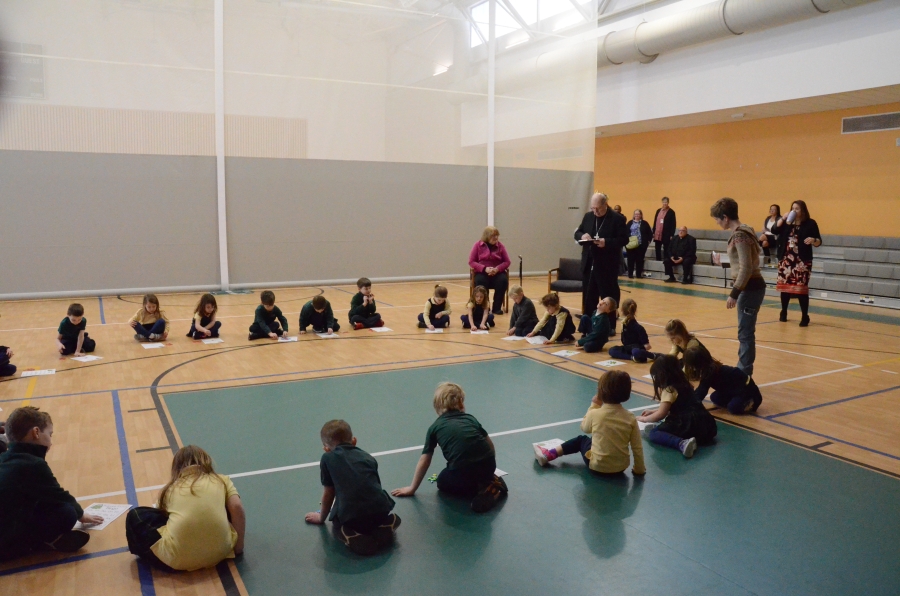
<point>749,287</point>
<point>797,233</point>
<point>639,236</point>
<point>490,261</point>
<point>683,252</point>
<point>663,229</point>
<point>602,235</point>
<point>768,239</point>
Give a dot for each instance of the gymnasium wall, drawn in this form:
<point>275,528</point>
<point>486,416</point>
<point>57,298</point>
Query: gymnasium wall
<point>851,183</point>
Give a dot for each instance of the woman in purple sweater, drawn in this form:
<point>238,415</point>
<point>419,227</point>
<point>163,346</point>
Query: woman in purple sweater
<point>491,264</point>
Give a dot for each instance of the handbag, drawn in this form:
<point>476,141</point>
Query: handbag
<point>633,243</point>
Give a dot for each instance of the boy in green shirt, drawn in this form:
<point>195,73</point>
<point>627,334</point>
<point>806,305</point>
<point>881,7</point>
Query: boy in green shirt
<point>72,337</point>
<point>317,313</point>
<point>267,318</point>
<point>362,306</point>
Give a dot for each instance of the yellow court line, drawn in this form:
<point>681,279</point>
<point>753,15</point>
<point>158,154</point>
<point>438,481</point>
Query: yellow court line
<point>29,391</point>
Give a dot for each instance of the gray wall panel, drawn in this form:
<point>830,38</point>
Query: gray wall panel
<point>292,220</point>
<point>91,221</point>
<point>532,212</point>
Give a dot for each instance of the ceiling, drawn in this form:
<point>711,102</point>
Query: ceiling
<point>821,103</point>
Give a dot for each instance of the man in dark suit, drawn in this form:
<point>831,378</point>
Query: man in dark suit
<point>663,229</point>
<point>602,235</point>
<point>683,251</point>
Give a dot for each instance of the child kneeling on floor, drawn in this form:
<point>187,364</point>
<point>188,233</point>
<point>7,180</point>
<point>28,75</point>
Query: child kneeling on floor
<point>36,513</point>
<point>686,420</point>
<point>200,520</point>
<point>612,428</point>
<point>732,388</point>
<point>470,455</point>
<point>556,324</point>
<point>362,517</point>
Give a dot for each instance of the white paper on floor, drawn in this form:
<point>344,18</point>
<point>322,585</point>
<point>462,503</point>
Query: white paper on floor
<point>513,338</point>
<point>286,339</point>
<point>537,340</point>
<point>327,335</point>
<point>212,340</point>
<point>479,332</point>
<point>565,353</point>
<point>107,511</point>
<point>435,330</point>
<point>38,373</point>
<point>381,329</point>
<point>647,377</point>
<point>87,358</point>
<point>499,472</point>
<point>609,363</point>
<point>153,346</point>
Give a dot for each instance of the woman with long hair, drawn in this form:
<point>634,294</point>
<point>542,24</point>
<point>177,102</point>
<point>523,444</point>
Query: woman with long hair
<point>797,233</point>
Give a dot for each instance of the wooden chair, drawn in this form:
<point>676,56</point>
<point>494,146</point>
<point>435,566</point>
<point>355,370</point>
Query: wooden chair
<point>505,294</point>
<point>568,277</point>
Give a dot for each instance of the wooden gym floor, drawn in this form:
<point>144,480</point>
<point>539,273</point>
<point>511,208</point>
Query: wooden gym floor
<point>798,499</point>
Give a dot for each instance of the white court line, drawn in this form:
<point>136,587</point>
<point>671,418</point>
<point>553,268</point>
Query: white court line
<point>827,372</point>
<point>890,372</point>
<point>380,453</point>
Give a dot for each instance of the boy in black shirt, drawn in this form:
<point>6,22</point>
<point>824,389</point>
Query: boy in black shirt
<point>72,338</point>
<point>362,514</point>
<point>362,306</point>
<point>267,318</point>
<point>523,317</point>
<point>469,451</point>
<point>317,312</point>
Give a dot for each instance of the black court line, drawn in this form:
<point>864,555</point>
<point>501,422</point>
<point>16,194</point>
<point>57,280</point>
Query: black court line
<point>227,579</point>
<point>822,444</point>
<point>152,448</point>
<point>142,410</point>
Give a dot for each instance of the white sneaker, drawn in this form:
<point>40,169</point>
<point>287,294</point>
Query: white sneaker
<point>647,428</point>
<point>539,455</point>
<point>688,447</point>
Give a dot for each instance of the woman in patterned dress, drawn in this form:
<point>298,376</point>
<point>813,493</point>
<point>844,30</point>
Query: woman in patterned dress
<point>797,234</point>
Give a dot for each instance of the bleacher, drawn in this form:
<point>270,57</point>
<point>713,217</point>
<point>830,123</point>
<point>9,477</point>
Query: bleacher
<point>854,269</point>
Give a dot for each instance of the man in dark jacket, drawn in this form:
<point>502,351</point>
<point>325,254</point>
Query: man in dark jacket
<point>683,251</point>
<point>35,511</point>
<point>602,235</point>
<point>663,229</point>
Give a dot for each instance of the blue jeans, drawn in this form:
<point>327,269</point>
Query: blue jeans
<point>665,439</point>
<point>159,327</point>
<point>438,322</point>
<point>637,354</point>
<point>748,305</point>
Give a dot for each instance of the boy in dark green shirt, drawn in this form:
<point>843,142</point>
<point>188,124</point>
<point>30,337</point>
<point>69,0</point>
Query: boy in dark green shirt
<point>35,511</point>
<point>72,337</point>
<point>317,312</point>
<point>362,306</point>
<point>471,461</point>
<point>267,318</point>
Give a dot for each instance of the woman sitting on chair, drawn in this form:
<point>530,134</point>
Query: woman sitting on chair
<point>490,262</point>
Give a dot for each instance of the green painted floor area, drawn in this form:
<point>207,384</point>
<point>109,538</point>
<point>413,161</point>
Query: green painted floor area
<point>749,515</point>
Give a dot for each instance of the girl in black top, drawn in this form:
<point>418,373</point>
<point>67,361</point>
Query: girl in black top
<point>768,239</point>
<point>733,388</point>
<point>635,343</point>
<point>797,233</point>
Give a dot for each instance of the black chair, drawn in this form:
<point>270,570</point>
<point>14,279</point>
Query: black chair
<point>568,277</point>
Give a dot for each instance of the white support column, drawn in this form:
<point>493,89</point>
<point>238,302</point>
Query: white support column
<point>492,52</point>
<point>219,26</point>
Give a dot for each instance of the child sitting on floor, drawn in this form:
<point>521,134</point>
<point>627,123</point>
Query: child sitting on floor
<point>362,306</point>
<point>204,323</point>
<point>35,511</point>
<point>268,320</point>
<point>635,343</point>
<point>71,336</point>
<point>681,339</point>
<point>523,317</point>
<point>471,461</point>
<point>733,388</point>
<point>6,368</point>
<point>686,420</point>
<point>437,310</point>
<point>362,517</point>
<point>596,327</point>
<point>612,428</point>
<point>479,315</point>
<point>200,520</point>
<point>318,314</point>
<point>150,322</point>
<point>557,323</point>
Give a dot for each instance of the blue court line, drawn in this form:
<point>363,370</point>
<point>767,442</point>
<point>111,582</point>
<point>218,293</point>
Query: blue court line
<point>102,315</point>
<point>834,439</point>
<point>831,403</point>
<point>354,294</point>
<point>37,566</point>
<point>145,574</point>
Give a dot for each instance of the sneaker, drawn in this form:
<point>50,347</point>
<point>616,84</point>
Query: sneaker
<point>70,541</point>
<point>670,279</point>
<point>687,447</point>
<point>649,427</point>
<point>422,325</point>
<point>361,544</point>
<point>487,498</point>
<point>544,456</point>
<point>154,337</point>
<point>384,534</point>
<point>358,326</point>
<point>379,324</point>
<point>139,337</point>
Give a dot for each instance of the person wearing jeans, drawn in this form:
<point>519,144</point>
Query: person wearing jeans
<point>749,287</point>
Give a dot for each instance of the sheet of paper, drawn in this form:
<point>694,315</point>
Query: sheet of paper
<point>38,373</point>
<point>499,472</point>
<point>565,353</point>
<point>435,330</point>
<point>647,377</point>
<point>513,338</point>
<point>88,358</point>
<point>283,339</point>
<point>107,511</point>
<point>644,425</point>
<point>479,332</point>
<point>153,346</point>
<point>550,443</point>
<point>537,340</point>
<point>213,340</point>
<point>381,329</point>
<point>327,335</point>
<point>609,363</point>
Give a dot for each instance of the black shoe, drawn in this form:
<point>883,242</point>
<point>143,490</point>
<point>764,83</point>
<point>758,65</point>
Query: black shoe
<point>384,534</point>
<point>630,276</point>
<point>69,542</point>
<point>488,497</point>
<point>497,312</point>
<point>756,400</point>
<point>783,316</point>
<point>670,279</point>
<point>804,321</point>
<point>361,544</point>
<point>422,325</point>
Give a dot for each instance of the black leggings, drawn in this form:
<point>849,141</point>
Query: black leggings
<point>142,526</point>
<point>803,300</point>
<point>466,482</point>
